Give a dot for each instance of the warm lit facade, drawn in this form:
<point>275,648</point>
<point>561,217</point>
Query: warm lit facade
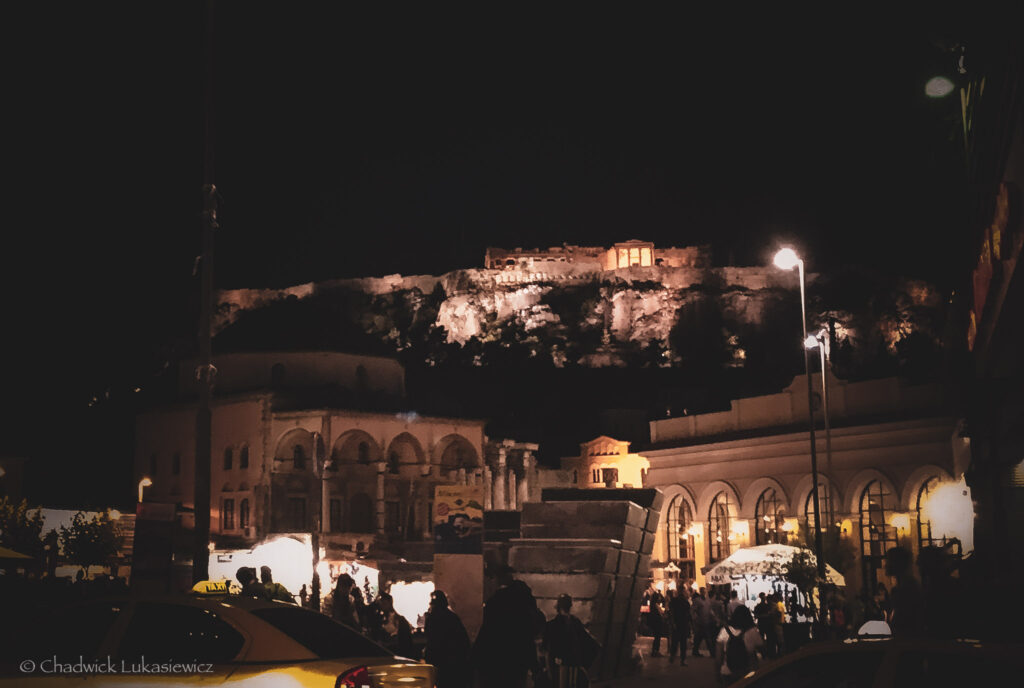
<point>276,424</point>
<point>605,462</point>
<point>742,477</point>
<point>625,254</point>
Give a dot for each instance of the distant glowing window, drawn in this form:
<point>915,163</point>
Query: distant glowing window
<point>719,519</point>
<point>243,514</point>
<point>595,475</point>
<point>769,516</point>
<point>876,533</point>
<point>634,256</point>
<point>228,515</point>
<point>925,536</point>
<point>645,257</point>
<point>243,457</point>
<point>680,518</point>
<point>623,258</point>
<point>824,502</point>
<point>228,459</point>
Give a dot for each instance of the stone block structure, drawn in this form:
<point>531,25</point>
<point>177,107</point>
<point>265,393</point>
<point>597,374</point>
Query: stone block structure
<point>594,544</point>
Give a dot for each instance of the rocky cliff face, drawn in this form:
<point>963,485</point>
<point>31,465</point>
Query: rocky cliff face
<point>746,318</point>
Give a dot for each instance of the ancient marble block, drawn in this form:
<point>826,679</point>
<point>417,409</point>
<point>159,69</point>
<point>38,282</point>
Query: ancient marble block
<point>643,566</point>
<point>627,563</point>
<point>653,518</point>
<point>579,585</point>
<point>647,544</point>
<point>632,539</point>
<point>594,514</point>
<point>564,556</point>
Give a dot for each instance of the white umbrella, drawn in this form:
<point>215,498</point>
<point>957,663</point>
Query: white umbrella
<point>762,560</point>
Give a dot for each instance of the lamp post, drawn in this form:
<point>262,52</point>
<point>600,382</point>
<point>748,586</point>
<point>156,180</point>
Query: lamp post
<point>820,342</point>
<point>144,483</point>
<point>320,464</point>
<point>787,259</point>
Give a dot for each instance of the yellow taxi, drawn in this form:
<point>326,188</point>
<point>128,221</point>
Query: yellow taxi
<point>208,638</point>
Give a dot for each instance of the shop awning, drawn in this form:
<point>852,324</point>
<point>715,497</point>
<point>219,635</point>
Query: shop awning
<point>761,560</point>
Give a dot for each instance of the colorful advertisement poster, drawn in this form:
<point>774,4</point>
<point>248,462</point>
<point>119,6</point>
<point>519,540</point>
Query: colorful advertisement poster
<point>458,519</point>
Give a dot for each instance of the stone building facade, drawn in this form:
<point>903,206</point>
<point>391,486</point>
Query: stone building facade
<point>291,447</point>
<point>606,462</point>
<point>742,477</point>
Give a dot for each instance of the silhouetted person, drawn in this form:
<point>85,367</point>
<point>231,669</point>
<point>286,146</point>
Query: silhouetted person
<point>447,645</point>
<point>907,616</point>
<point>679,614</point>
<point>388,627</point>
<point>505,650</point>
<point>703,624</point>
<point>251,586</point>
<point>656,621</point>
<point>276,590</point>
<point>736,646</point>
<point>343,608</point>
<point>734,601</point>
<point>570,647</point>
<point>303,595</point>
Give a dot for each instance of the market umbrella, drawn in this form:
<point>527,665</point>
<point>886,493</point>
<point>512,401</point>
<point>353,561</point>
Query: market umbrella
<point>762,560</point>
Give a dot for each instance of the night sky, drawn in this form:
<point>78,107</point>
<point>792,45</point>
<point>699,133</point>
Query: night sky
<point>349,145</point>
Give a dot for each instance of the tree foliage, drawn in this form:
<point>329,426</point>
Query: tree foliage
<point>90,542</point>
<point>21,528</point>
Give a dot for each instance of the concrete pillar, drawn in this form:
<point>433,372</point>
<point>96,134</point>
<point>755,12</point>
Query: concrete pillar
<point>512,493</point>
<point>488,504</point>
<point>462,476</point>
<point>528,472</point>
<point>381,467</point>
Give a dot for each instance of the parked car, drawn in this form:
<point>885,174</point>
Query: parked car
<point>181,640</point>
<point>885,662</point>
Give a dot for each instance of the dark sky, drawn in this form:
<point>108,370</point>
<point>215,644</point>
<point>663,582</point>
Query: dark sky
<point>350,145</point>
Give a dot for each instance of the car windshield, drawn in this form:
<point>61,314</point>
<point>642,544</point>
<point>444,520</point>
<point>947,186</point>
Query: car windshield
<point>321,635</point>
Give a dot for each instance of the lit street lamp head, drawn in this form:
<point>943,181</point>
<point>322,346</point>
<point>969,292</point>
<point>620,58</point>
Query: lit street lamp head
<point>144,483</point>
<point>787,259</point>
<point>811,342</point>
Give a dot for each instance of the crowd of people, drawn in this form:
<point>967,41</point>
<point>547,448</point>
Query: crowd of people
<point>515,643</point>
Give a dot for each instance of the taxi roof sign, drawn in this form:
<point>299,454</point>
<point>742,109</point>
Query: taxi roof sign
<point>212,587</point>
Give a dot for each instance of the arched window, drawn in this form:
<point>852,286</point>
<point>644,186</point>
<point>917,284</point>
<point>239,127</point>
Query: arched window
<point>228,458</point>
<point>876,534</point>
<point>363,453</point>
<point>227,514</point>
<point>925,536</point>
<point>824,503</point>
<point>680,542</point>
<point>299,457</point>
<point>769,516</point>
<point>243,457</point>
<point>719,519</point>
<point>243,514</point>
<point>393,462</point>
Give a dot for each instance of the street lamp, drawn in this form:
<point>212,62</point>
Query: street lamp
<point>144,483</point>
<point>787,259</point>
<point>820,342</point>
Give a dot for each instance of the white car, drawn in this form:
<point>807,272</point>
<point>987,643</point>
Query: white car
<point>224,640</point>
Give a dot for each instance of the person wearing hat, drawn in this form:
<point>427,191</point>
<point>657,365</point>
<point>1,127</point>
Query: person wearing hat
<point>570,647</point>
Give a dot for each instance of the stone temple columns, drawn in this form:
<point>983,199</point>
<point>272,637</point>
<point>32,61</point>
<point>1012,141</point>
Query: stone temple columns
<point>381,468</point>
<point>500,503</point>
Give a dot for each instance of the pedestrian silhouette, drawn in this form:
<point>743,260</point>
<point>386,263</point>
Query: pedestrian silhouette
<point>343,608</point>
<point>570,648</point>
<point>505,650</point>
<point>447,647</point>
<point>251,586</point>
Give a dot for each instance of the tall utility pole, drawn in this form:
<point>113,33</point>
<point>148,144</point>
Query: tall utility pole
<point>205,370</point>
